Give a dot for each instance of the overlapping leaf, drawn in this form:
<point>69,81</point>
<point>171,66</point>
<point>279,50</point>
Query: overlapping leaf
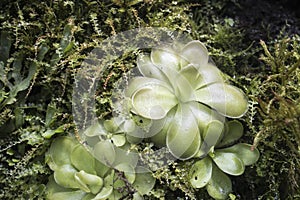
<point>183,136</point>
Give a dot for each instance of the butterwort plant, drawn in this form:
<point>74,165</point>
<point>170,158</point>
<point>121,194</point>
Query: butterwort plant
<point>79,175</point>
<point>189,102</point>
<point>182,92</point>
<point>222,158</point>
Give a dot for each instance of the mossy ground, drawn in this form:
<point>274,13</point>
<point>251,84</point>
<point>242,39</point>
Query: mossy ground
<point>44,43</point>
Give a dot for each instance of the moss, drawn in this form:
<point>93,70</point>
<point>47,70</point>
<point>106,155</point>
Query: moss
<point>278,111</point>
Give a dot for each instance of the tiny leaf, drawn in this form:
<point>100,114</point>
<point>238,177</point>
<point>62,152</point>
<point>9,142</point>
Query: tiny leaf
<point>60,151</point>
<point>144,182</point>
<point>64,176</point>
<point>74,195</point>
<point>244,152</point>
<point>104,193</point>
<point>148,69</point>
<point>194,52</point>
<point>219,186</point>
<point>232,134</point>
<point>165,56</point>
<point>82,159</point>
<point>229,163</point>
<point>211,135</point>
<point>200,172</point>
<point>119,140</point>
<point>104,151</point>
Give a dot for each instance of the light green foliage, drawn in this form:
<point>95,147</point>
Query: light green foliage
<point>35,48</point>
<point>28,126</point>
<point>277,108</point>
<point>211,170</point>
<point>79,175</point>
<point>181,79</point>
<point>283,81</point>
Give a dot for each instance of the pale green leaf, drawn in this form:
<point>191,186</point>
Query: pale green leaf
<point>101,168</point>
<point>128,170</point>
<point>234,132</point>
<point>200,172</point>
<point>142,122</point>
<point>104,193</point>
<point>132,139</point>
<point>146,127</point>
<point>165,56</point>
<point>195,53</point>
<point>229,163</point>
<point>89,196</point>
<point>183,89</point>
<point>116,195</point>
<point>202,76</point>
<point>159,139</point>
<point>226,99</point>
<point>128,126</point>
<point>104,151</point>
<point>153,102</point>
<point>109,178</point>
<point>89,182</point>
<point>219,186</point>
<point>183,136</point>
<point>95,129</point>
<point>140,82</point>
<point>125,155</point>
<point>144,182</point>
<point>60,151</point>
<point>81,185</point>
<point>119,140</point>
<point>53,187</point>
<point>49,133</point>
<point>74,195</point>
<point>82,159</point>
<point>156,126</point>
<point>148,69</point>
<point>65,176</point>
<point>192,75</point>
<point>112,125</point>
<point>245,152</point>
<point>136,135</point>
<point>211,135</point>
<point>204,115</point>
<point>137,196</point>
